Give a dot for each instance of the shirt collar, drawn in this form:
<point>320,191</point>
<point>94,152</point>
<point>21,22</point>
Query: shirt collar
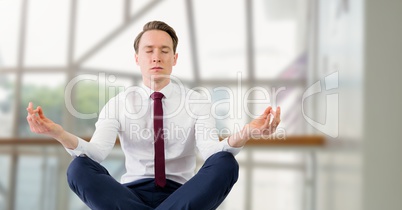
<point>167,90</point>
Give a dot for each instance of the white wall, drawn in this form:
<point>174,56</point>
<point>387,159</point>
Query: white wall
<point>383,101</point>
<point>362,167</point>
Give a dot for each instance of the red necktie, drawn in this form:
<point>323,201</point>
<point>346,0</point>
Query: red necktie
<point>159,145</point>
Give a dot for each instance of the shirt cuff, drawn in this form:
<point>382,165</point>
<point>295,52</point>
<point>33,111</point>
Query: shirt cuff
<point>228,148</point>
<point>80,148</point>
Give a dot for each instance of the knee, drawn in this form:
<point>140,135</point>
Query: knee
<point>75,168</point>
<point>76,165</point>
<point>79,169</point>
<point>227,164</point>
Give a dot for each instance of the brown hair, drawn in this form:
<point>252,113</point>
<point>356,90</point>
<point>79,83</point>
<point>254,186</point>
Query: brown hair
<point>157,25</point>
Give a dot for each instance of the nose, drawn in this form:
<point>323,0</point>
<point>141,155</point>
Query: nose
<point>156,56</point>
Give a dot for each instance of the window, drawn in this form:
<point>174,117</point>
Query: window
<point>236,50</point>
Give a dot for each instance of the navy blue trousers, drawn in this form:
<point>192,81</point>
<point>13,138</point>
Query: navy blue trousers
<point>206,190</point>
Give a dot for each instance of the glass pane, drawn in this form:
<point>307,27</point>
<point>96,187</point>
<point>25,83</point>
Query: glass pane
<point>279,31</point>
<point>91,96</point>
<point>75,202</point>
<point>138,5</point>
<point>277,189</point>
<point>242,156</point>
<point>37,179</point>
<point>290,101</point>
<point>47,33</point>
<point>29,180</point>
<point>221,38</point>
<point>285,157</point>
<point>45,90</point>
<point>9,27</point>
<point>7,104</point>
<point>226,107</point>
<point>4,180</point>
<point>117,53</point>
<point>93,24</point>
<point>117,56</point>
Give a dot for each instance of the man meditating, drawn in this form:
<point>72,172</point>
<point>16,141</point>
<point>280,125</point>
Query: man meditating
<point>160,167</point>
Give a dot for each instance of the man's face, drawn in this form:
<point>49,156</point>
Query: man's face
<point>155,55</point>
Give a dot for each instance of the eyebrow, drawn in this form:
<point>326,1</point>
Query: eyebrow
<point>163,47</point>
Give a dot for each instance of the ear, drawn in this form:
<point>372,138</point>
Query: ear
<point>175,59</point>
<point>136,58</point>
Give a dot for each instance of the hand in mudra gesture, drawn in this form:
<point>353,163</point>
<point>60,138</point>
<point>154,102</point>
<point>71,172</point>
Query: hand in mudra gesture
<point>263,126</point>
<point>40,124</point>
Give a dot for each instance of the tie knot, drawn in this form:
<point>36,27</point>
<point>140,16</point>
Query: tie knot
<point>156,95</point>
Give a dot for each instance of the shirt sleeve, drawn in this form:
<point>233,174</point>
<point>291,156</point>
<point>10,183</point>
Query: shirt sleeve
<point>206,135</point>
<point>104,137</point>
<point>228,148</point>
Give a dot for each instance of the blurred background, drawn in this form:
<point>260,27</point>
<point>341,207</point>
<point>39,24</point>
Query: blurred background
<point>332,65</point>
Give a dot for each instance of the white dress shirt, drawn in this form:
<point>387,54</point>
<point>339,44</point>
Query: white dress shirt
<point>187,123</point>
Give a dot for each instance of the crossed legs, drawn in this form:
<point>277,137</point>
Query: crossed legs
<point>206,190</point>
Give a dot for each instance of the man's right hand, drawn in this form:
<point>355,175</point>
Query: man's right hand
<point>40,124</point>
